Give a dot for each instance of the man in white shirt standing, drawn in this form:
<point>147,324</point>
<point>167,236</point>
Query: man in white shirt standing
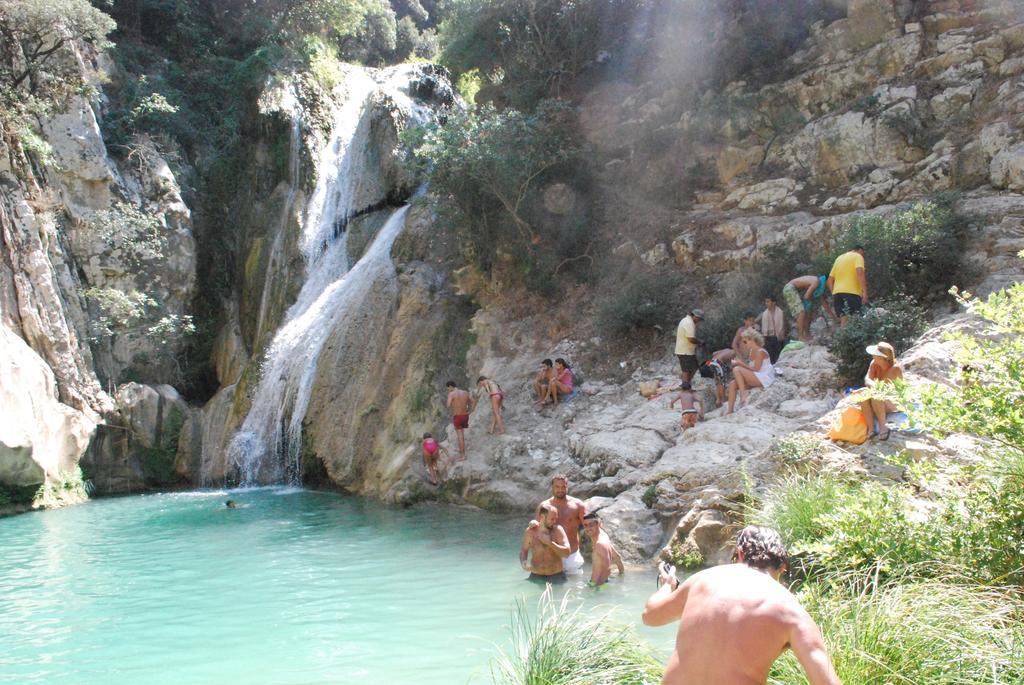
<point>773,327</point>
<point>687,342</point>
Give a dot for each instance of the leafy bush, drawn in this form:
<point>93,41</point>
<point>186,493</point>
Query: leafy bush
<point>487,165</point>
<point>796,449</point>
<point>917,252</point>
<point>643,300</point>
<point>41,29</point>
<point>940,632</point>
<point>795,507</point>
<point>69,487</point>
<point>897,321</point>
<point>528,51</point>
<point>563,647</point>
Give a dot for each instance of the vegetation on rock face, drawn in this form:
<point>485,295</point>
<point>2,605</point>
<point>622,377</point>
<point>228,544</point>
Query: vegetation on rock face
<point>896,320</point>
<point>36,75</point>
<point>490,166</point>
<point>527,51</point>
<point>69,487</point>
<point>918,251</point>
<point>641,300</point>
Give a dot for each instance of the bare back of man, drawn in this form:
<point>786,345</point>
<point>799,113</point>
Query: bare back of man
<point>735,622</point>
<point>459,401</point>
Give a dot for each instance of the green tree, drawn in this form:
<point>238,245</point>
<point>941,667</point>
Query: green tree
<point>487,164</point>
<point>917,251</point>
<point>39,29</point>
<point>530,48</point>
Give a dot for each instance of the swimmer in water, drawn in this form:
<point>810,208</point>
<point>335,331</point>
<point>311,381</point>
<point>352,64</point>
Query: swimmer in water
<point>230,504</point>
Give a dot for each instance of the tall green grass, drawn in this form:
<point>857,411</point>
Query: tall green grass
<point>920,632</point>
<point>559,646</point>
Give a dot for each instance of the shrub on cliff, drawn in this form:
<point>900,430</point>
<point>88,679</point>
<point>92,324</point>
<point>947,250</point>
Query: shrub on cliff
<point>897,321</point>
<point>644,300</point>
<point>526,51</point>
<point>918,251</point>
<point>489,166</point>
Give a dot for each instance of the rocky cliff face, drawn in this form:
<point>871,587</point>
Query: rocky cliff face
<point>55,252</point>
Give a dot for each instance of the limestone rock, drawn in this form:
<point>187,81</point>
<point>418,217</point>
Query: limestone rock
<point>733,161</point>
<point>969,166</point>
<point>779,193</point>
<point>85,173</point>
<point>952,101</point>
<point>1007,168</point>
<point>39,436</point>
<point>870,21</point>
<point>994,138</point>
<point>836,147</point>
<point>631,524</point>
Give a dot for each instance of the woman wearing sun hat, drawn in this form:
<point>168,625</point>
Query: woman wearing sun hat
<point>883,368</point>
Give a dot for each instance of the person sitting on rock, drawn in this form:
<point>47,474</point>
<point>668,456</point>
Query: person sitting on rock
<point>801,295</point>
<point>883,369</point>
<point>687,398</point>
<point>561,384</point>
<point>544,376</point>
<point>759,373</point>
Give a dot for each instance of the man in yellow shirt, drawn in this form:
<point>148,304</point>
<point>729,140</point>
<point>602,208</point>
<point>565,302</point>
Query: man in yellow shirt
<point>687,342</point>
<point>848,284</point>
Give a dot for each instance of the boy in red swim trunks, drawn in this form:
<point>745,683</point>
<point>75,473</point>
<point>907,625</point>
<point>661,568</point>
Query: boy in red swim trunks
<point>430,449</point>
<point>687,398</point>
<point>460,404</point>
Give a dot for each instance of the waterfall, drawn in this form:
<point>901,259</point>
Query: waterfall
<point>275,260</point>
<point>267,448</point>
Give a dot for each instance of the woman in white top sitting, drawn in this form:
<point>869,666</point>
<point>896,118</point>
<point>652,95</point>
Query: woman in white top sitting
<point>758,373</point>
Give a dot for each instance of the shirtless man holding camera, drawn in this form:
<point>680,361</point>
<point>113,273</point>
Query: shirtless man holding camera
<point>735,620</point>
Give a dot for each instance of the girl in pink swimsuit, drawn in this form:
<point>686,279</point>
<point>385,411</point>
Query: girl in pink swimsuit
<point>497,403</point>
<point>430,449</point>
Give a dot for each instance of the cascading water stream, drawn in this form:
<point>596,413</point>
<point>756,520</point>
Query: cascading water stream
<point>275,259</point>
<point>267,448</point>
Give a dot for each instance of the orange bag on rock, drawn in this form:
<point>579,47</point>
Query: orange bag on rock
<point>851,426</point>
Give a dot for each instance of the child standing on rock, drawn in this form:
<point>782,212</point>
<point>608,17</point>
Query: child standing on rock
<point>430,449</point>
<point>687,398</point>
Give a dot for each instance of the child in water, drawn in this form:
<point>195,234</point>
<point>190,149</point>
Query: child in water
<point>687,398</point>
<point>430,449</point>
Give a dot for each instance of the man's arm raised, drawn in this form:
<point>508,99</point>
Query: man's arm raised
<point>558,541</point>
<point>666,605</point>
<point>809,647</point>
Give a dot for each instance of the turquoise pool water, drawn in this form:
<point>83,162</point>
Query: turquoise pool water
<point>292,587</point>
